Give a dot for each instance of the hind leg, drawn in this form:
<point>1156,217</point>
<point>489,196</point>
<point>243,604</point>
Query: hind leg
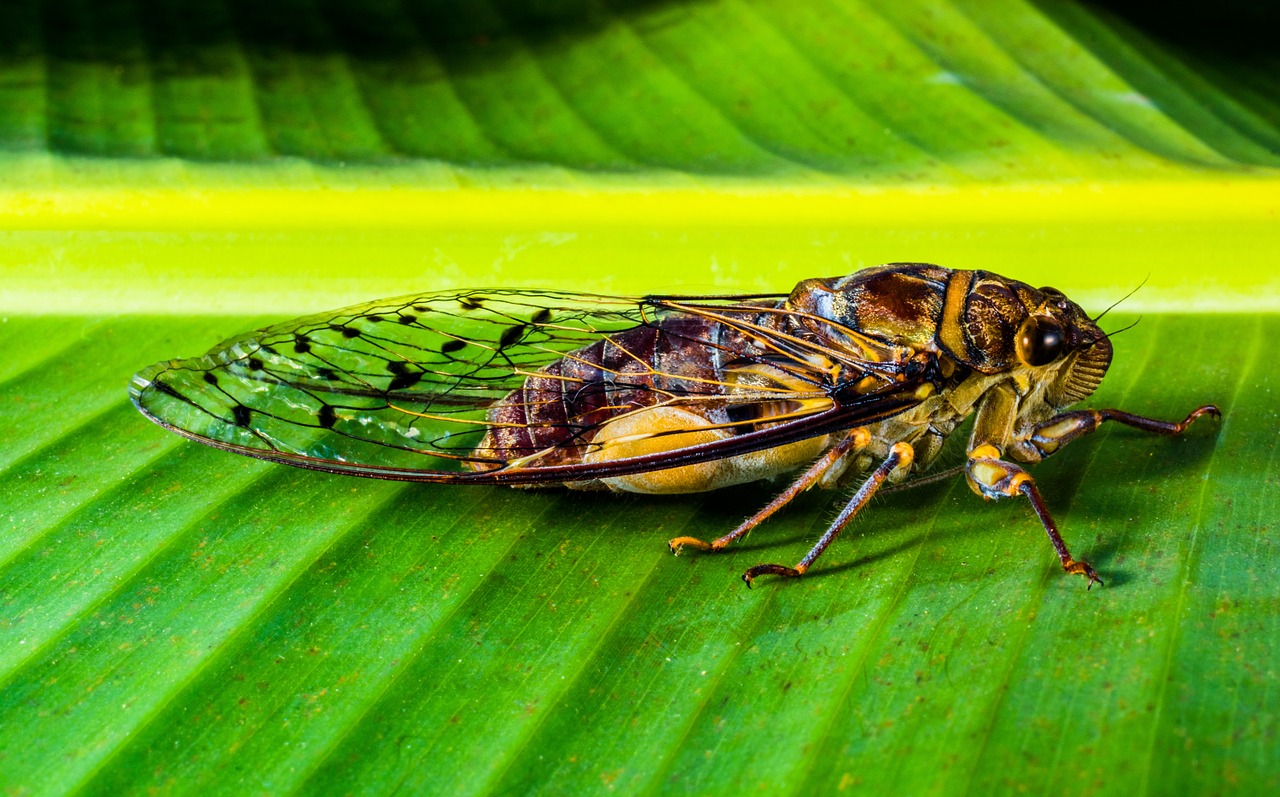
<point>896,465</point>
<point>857,440</point>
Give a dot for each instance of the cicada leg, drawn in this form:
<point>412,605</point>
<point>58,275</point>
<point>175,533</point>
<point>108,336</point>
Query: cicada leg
<point>856,440</point>
<point>899,460</point>
<point>992,477</point>
<point>1056,432</point>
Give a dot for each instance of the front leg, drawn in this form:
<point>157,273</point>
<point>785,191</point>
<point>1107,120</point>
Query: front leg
<point>994,478</point>
<point>1050,436</point>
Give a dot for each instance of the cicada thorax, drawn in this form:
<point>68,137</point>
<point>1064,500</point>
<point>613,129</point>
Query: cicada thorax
<point>979,328</point>
<point>971,320</point>
<point>961,316</point>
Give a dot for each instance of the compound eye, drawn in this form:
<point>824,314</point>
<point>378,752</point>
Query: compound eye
<point>1040,340</point>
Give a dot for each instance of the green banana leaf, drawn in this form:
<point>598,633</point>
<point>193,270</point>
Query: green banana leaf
<point>175,619</point>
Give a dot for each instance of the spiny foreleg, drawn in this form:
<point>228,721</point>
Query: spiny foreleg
<point>1048,437</point>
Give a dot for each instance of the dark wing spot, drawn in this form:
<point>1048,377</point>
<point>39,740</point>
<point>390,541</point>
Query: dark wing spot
<point>398,367</point>
<point>542,316</point>
<point>161,387</point>
<point>240,414</point>
<point>471,302</point>
<point>326,416</point>
<point>408,318</point>
<point>422,308</point>
<point>452,345</point>
<point>255,364</point>
<point>404,381</point>
<point>210,378</point>
<point>327,374</point>
<point>346,332</point>
<point>510,335</point>
<point>374,319</point>
<point>301,345</point>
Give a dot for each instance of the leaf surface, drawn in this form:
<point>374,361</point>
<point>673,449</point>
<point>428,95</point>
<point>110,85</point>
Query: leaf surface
<point>174,619</point>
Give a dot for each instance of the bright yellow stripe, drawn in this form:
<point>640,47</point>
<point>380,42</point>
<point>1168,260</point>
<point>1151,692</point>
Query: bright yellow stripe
<point>213,208</point>
<point>951,327</point>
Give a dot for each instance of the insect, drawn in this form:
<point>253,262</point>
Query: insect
<point>854,380</point>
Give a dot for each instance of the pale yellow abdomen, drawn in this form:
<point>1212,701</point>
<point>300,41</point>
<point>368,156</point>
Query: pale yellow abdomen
<point>642,432</point>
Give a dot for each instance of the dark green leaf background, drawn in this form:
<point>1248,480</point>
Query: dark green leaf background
<point>174,619</point>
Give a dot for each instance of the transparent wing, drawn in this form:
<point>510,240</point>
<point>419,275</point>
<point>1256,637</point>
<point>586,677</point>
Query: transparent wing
<point>406,388</point>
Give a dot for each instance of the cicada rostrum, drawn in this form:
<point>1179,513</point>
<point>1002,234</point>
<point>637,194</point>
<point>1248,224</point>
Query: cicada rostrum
<point>852,380</point>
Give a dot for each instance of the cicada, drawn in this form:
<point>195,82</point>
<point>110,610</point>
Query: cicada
<point>852,381</point>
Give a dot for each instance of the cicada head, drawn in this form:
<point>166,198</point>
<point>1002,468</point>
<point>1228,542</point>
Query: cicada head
<point>1085,350</point>
<point>1007,325</point>
<point>1056,341</point>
